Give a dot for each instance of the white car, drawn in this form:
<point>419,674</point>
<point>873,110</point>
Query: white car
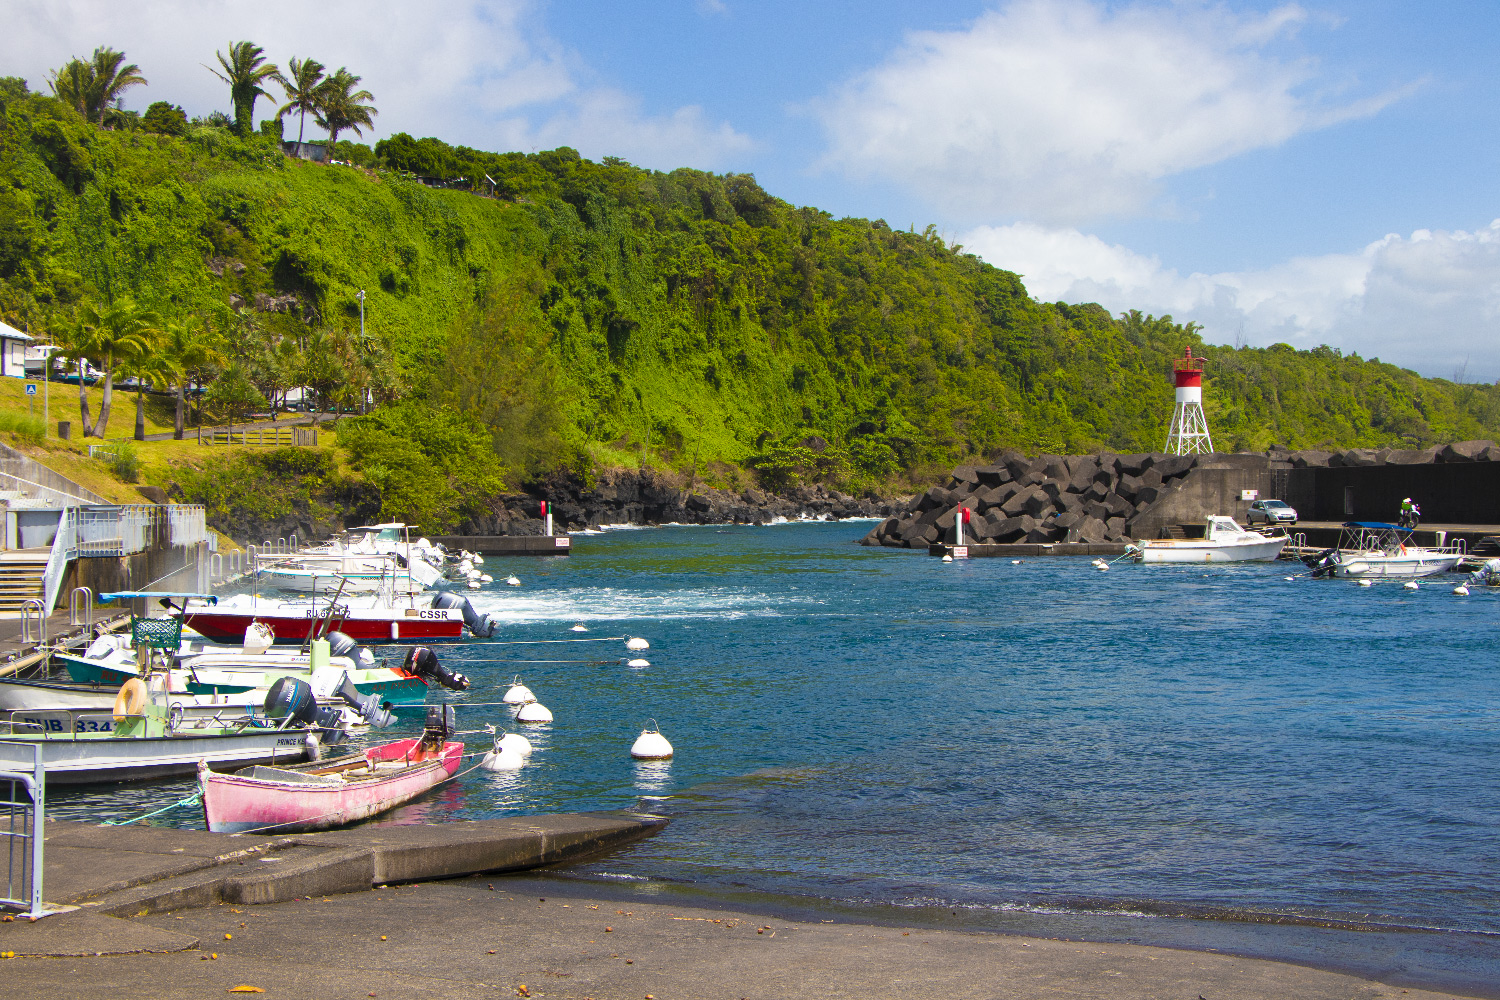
<point>1271,512</point>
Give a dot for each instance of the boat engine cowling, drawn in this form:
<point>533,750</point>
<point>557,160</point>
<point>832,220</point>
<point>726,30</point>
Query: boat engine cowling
<point>480,626</point>
<point>424,663</point>
<point>293,698</point>
<point>1322,564</point>
<point>442,722</point>
<point>340,644</point>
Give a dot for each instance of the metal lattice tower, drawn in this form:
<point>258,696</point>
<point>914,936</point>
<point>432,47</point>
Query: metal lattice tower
<point>1188,434</point>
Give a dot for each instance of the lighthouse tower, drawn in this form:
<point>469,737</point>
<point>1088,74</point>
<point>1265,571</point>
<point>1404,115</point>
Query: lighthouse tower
<point>1189,431</point>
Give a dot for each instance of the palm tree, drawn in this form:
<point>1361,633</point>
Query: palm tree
<point>116,332</point>
<point>301,90</point>
<point>152,367</point>
<point>192,348</point>
<point>245,70</point>
<point>91,87</point>
<point>341,107</point>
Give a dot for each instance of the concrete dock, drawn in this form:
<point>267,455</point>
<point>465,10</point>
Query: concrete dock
<point>1017,550</point>
<point>509,545</point>
<point>108,873</point>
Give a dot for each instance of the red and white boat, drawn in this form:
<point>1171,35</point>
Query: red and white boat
<point>366,619</point>
<point>329,794</point>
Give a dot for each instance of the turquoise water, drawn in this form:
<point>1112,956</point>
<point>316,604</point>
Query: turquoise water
<point>1207,757</point>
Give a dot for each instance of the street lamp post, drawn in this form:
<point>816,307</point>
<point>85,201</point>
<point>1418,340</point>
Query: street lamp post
<point>361,296</point>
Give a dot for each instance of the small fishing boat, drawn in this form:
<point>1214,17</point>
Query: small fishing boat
<point>1223,541</point>
<point>335,792</point>
<point>374,618</point>
<point>219,672</point>
<point>1375,550</point>
<point>144,737</point>
<point>377,558</point>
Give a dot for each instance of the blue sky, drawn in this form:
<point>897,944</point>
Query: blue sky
<point>1310,172</point>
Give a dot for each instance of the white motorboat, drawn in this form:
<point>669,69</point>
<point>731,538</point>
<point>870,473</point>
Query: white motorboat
<point>1223,541</point>
<point>377,558</point>
<point>1376,550</point>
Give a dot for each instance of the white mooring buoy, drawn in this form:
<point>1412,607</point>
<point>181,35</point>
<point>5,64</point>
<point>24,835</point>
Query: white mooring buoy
<point>1367,583</point>
<point>1015,562</point>
<point>519,694</point>
<point>512,581</point>
<point>638,663</point>
<point>516,743</point>
<point>473,585</point>
<point>1289,579</point>
<point>1461,590</point>
<point>534,712</point>
<point>1410,585</point>
<point>1102,567</point>
<point>637,643</point>
<point>651,745</point>
<point>580,627</point>
<point>486,578</point>
<point>947,558</point>
<point>502,758</point>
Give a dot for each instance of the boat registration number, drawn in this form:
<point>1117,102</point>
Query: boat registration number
<point>59,724</point>
<point>289,741</point>
<point>434,614</point>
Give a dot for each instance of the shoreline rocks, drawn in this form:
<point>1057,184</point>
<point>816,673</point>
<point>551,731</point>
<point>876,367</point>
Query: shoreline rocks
<point>647,497</point>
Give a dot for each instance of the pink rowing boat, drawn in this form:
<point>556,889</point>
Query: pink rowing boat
<point>333,793</point>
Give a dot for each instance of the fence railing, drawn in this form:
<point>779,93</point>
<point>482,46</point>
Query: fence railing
<point>100,531</point>
<point>23,804</point>
<point>296,437</point>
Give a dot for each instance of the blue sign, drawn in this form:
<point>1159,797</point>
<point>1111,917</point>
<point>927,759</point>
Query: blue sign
<point>31,388</point>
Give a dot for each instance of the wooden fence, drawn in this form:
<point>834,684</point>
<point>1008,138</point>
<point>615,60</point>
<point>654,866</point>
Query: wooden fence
<point>296,437</point>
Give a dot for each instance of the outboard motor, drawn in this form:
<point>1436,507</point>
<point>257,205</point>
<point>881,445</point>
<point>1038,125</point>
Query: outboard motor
<point>442,722</point>
<point>424,663</point>
<point>1322,564</point>
<point>339,644</point>
<point>330,722</point>
<point>369,706</point>
<point>292,698</point>
<point>480,626</point>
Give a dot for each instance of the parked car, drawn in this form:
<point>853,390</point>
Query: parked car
<point>1271,512</point>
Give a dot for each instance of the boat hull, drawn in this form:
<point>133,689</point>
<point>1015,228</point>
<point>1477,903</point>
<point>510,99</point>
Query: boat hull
<point>362,625</point>
<point>399,687</point>
<point>86,758</point>
<point>237,804</point>
<point>1195,551</point>
<point>1398,567</point>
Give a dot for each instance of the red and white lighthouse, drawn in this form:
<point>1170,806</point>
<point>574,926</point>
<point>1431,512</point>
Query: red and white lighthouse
<point>1188,434</point>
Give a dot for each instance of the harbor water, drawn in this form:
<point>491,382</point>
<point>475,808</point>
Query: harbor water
<point>1196,756</point>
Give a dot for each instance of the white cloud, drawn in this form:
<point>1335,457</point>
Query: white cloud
<point>481,73</point>
<point>1430,301</point>
<point>1063,110</point>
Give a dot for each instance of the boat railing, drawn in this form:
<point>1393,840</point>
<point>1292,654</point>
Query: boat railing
<point>23,799</point>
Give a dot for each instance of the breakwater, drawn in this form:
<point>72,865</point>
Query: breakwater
<point>1108,497</point>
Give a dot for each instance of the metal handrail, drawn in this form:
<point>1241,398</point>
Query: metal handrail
<point>86,618</point>
<point>41,621</point>
<point>32,814</point>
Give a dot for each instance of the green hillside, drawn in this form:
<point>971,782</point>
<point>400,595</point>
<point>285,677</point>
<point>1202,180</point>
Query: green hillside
<point>601,313</point>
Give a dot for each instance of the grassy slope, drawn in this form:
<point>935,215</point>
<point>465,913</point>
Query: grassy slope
<point>689,315</point>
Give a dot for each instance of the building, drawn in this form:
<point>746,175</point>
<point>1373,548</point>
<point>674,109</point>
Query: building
<point>13,351</point>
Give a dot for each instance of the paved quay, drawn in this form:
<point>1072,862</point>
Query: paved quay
<point>498,937</point>
<point>111,873</point>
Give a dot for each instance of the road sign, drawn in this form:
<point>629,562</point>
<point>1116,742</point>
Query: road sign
<point>31,388</point>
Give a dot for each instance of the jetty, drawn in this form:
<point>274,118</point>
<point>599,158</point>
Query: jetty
<point>508,545</point>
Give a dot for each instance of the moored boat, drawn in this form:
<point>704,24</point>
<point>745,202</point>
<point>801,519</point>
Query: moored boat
<point>335,792</point>
<point>1377,550</point>
<point>1223,541</point>
<point>364,618</point>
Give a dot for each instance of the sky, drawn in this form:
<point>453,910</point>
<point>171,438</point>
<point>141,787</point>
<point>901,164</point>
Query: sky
<point>1308,173</point>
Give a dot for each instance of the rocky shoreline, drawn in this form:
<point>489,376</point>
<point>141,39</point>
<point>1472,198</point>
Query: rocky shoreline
<point>648,497</point>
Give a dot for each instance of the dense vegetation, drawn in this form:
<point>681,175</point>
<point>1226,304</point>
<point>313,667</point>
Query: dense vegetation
<point>579,313</point>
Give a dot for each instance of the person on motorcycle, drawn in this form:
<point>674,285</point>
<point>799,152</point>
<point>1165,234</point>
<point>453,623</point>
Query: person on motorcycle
<point>1410,512</point>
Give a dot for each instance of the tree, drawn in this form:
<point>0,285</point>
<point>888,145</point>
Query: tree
<point>164,119</point>
<point>245,70</point>
<point>341,108</point>
<point>153,367</point>
<point>232,397</point>
<point>114,333</point>
<point>91,87</point>
<point>192,348</point>
<point>302,90</point>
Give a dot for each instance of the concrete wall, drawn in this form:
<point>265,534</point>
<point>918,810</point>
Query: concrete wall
<point>49,485</point>
<point>162,566</point>
<point>1458,493</point>
<point>1212,487</point>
